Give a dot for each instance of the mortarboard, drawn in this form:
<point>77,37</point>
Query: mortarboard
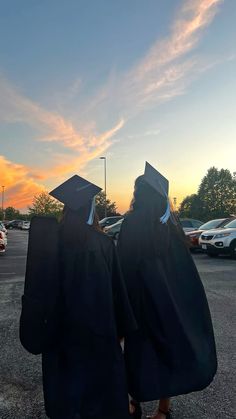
<point>156,180</point>
<point>75,192</point>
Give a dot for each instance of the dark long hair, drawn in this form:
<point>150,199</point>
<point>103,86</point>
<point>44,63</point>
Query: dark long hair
<point>74,225</point>
<point>149,205</point>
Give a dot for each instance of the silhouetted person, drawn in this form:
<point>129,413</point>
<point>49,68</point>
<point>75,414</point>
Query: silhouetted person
<point>75,308</point>
<point>173,350</point>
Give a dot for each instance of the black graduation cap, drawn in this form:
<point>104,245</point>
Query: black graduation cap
<point>156,180</point>
<point>75,192</point>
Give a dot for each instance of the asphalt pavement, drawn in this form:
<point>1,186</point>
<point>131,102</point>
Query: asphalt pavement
<point>20,373</point>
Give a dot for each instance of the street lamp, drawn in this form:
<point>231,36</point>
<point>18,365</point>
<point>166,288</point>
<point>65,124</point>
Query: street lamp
<point>3,189</point>
<point>175,202</point>
<point>105,182</point>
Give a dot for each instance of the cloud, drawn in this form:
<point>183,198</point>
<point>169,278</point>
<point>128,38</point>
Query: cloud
<point>166,70</point>
<point>162,74</point>
<point>14,107</point>
<point>19,182</point>
<point>148,133</point>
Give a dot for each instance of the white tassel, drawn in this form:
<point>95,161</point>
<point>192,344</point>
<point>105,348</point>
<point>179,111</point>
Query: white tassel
<point>92,213</point>
<point>165,217</point>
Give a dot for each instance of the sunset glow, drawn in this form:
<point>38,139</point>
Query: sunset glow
<point>150,82</point>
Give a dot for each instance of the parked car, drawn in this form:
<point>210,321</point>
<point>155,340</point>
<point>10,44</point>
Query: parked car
<point>113,231</point>
<point>3,228</point>
<point>14,224</point>
<point>220,241</point>
<point>25,225</point>
<point>108,221</point>
<point>193,236</point>
<point>3,241</point>
<point>190,224</point>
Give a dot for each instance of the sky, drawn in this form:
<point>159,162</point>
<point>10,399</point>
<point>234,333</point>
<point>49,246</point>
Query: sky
<point>132,80</point>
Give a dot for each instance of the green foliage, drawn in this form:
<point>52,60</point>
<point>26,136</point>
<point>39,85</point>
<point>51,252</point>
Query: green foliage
<point>12,214</point>
<point>100,206</point>
<point>44,204</point>
<point>216,197</point>
<point>217,192</point>
<point>191,207</point>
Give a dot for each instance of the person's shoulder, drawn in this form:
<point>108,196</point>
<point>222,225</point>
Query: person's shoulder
<point>40,219</point>
<point>40,223</point>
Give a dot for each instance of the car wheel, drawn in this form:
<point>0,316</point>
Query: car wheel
<point>233,249</point>
<point>213,255</point>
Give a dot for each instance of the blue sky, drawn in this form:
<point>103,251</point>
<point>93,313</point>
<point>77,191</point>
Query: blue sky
<point>133,80</point>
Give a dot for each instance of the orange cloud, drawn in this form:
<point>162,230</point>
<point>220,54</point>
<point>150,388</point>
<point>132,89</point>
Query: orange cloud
<point>158,77</point>
<point>161,75</point>
<point>20,186</point>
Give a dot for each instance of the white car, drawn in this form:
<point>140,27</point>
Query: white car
<point>3,238</point>
<point>220,241</point>
<point>189,224</point>
<point>113,231</point>
<point>25,225</point>
<point>3,228</point>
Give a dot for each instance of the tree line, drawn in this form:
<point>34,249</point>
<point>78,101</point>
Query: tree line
<point>44,204</point>
<point>215,198</point>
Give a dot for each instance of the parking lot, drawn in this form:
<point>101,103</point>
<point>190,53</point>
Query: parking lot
<point>20,376</point>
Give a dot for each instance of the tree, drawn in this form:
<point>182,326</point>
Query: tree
<point>217,192</point>
<point>216,197</point>
<point>191,207</point>
<point>12,213</point>
<point>44,204</point>
<point>100,206</point>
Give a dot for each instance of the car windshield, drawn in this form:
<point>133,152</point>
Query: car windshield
<point>232,224</point>
<point>115,224</point>
<point>186,223</point>
<point>211,224</point>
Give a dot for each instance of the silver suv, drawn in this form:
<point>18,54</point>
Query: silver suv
<point>220,241</point>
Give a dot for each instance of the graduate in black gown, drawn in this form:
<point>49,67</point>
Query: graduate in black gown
<point>75,309</point>
<point>173,351</point>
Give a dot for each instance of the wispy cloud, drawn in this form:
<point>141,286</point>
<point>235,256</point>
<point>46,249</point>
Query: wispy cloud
<point>148,133</point>
<point>162,74</point>
<point>166,70</point>
<point>20,183</point>
<point>14,107</point>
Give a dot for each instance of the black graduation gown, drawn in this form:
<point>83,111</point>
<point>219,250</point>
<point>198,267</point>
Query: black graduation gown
<point>173,351</point>
<point>74,308</point>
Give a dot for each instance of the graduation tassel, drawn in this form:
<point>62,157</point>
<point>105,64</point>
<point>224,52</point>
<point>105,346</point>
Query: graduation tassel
<point>92,213</point>
<point>165,217</point>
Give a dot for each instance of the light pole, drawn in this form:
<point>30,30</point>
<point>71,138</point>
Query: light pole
<point>175,202</point>
<point>105,182</point>
<point>3,189</point>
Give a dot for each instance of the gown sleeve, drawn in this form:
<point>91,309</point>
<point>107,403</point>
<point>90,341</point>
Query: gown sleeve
<point>130,257</point>
<point>125,321</point>
<point>39,314</point>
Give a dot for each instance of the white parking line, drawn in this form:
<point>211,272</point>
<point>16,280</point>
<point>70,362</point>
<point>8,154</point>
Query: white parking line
<point>7,273</point>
